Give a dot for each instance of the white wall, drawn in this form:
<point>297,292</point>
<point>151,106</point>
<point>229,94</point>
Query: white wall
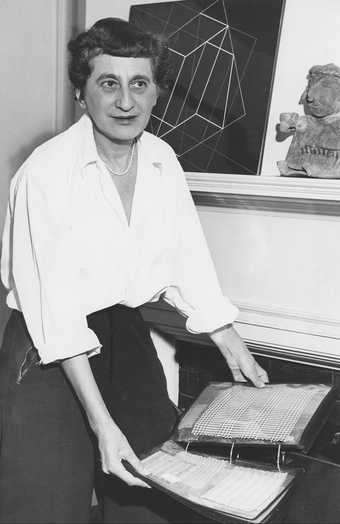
<point>281,260</point>
<point>34,102</point>
<point>26,64</point>
<point>96,9</point>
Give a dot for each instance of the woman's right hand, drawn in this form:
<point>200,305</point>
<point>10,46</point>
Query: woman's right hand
<point>113,445</point>
<point>113,448</point>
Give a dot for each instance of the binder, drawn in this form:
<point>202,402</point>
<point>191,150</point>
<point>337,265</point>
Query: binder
<point>229,457</point>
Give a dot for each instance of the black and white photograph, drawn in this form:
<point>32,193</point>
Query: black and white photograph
<point>170,224</point>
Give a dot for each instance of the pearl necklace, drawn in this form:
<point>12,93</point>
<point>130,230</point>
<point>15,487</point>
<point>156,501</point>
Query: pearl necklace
<point>129,163</point>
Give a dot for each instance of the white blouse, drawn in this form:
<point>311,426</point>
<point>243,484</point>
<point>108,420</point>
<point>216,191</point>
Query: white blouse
<point>68,249</point>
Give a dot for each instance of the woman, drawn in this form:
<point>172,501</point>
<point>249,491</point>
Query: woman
<point>100,221</point>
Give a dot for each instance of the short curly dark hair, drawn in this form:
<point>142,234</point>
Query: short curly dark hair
<point>117,37</point>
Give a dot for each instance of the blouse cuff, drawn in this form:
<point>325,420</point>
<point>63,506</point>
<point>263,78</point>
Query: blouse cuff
<point>75,344</point>
<point>210,319</point>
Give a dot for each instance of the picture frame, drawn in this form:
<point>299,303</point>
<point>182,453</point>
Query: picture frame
<point>223,56</point>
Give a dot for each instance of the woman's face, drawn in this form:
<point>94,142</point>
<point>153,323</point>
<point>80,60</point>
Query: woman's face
<point>119,96</point>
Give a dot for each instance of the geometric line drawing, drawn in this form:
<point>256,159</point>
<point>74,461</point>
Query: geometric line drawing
<point>208,45</point>
<point>223,55</point>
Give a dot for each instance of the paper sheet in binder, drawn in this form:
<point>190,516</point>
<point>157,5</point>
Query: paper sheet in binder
<point>233,417</point>
<point>238,490</point>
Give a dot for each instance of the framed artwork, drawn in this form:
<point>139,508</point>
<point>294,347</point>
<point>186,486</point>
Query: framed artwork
<point>223,55</point>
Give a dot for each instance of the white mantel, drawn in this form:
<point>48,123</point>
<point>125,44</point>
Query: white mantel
<point>275,242</point>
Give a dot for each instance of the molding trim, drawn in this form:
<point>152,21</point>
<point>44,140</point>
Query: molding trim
<point>69,19</point>
<point>267,203</point>
<point>277,334</point>
<point>288,320</point>
<point>265,193</point>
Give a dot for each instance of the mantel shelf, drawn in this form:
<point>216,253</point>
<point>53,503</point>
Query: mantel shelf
<point>300,195</point>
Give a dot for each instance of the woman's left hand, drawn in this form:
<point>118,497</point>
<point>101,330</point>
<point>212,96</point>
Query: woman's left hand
<point>239,359</point>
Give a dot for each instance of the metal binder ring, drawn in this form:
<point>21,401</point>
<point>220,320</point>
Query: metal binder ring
<point>278,457</point>
<point>231,452</point>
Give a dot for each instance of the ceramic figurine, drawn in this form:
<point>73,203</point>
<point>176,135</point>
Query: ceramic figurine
<point>315,147</point>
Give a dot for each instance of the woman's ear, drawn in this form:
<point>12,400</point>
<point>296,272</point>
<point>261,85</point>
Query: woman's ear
<point>80,99</point>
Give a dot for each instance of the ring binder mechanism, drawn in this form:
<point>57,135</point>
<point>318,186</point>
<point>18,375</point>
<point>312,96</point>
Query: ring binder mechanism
<point>279,461</point>
<point>239,438</point>
<point>231,452</point>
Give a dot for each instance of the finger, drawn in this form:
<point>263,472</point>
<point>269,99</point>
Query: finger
<point>256,378</point>
<point>119,470</point>
<point>141,483</point>
<point>248,366</point>
<point>262,373</point>
<point>131,480</point>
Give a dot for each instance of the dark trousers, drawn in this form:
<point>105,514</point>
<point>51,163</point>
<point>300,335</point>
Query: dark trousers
<point>46,450</point>
<point>46,455</point>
